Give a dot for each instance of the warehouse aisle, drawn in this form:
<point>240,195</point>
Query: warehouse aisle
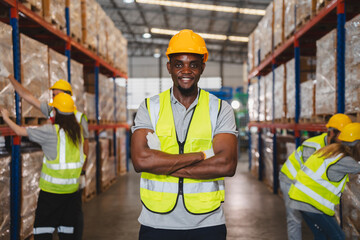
<point>252,211</point>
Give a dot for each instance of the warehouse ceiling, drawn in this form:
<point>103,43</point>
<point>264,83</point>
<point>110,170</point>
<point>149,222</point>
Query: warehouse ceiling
<point>134,18</point>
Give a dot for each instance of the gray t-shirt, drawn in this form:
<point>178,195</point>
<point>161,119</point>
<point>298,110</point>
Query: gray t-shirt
<point>46,110</point>
<point>336,172</point>
<point>180,218</point>
<point>46,137</point>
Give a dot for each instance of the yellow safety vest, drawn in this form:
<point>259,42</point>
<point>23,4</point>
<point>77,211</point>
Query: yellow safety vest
<point>295,160</point>
<point>62,174</point>
<point>159,193</point>
<point>313,186</point>
<point>79,115</point>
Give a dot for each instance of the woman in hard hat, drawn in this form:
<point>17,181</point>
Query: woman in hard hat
<point>320,182</point>
<point>59,198</point>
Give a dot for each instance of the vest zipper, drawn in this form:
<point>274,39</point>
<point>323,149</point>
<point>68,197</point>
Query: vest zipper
<point>181,180</point>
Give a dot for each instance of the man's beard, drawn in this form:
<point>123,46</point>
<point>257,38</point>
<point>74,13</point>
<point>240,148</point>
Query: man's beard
<point>187,91</point>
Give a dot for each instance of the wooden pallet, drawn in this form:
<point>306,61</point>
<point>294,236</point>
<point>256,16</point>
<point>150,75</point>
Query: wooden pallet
<point>106,186</point>
<point>32,7</point>
<point>355,117</point>
<point>323,4</point>
<point>303,22</point>
<point>75,37</point>
<point>321,118</point>
<point>89,196</point>
<point>34,120</point>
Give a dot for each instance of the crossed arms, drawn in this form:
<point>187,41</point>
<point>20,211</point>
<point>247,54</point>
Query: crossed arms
<point>189,165</point>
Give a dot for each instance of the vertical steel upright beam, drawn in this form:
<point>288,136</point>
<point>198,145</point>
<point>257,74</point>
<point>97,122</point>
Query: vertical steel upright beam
<point>297,89</point>
<point>114,130</point>
<point>98,157</point>
<point>275,165</point>
<point>68,55</point>
<point>68,44</point>
<point>340,61</point>
<point>15,183</point>
<point>259,129</point>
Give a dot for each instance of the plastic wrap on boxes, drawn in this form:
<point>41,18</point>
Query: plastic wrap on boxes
<point>89,106</point>
<point>120,104</point>
<point>121,149</point>
<point>325,101</point>
<point>268,168</point>
<point>251,51</point>
<point>289,20</point>
<point>253,102</point>
<point>57,66</point>
<point>77,84</point>
<point>54,12</point>
<point>303,11</point>
<point>257,40</point>
<point>90,184</point>
<point>268,80</point>
<point>35,73</point>
<point>30,176</point>
<point>5,197</point>
<point>290,89</point>
<point>108,171</point>
<point>278,22</point>
<point>280,94</point>
<point>266,25</point>
<point>106,98</point>
<point>121,56</point>
<point>262,99</point>
<point>352,66</point>
<point>307,99</point>
<point>105,29</point>
<point>89,22</point>
<point>255,154</point>
<point>351,207</point>
<point>7,92</point>
<point>75,19</point>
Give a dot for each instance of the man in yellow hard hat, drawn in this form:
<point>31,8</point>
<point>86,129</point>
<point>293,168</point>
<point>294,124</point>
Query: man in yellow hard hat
<point>184,143</point>
<point>297,159</point>
<point>58,87</point>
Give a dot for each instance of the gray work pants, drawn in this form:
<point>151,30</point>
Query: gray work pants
<point>293,216</point>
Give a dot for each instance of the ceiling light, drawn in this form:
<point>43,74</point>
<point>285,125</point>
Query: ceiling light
<point>206,7</point>
<point>235,104</point>
<point>204,35</point>
<point>128,1</point>
<point>146,35</point>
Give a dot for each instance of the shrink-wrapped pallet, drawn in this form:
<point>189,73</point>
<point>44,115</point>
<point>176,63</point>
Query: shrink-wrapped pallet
<point>108,170</point>
<point>90,180</point>
<point>105,28</point>
<point>266,25</point>
<point>351,208</point>
<point>106,98</point>
<point>5,197</point>
<point>268,166</point>
<point>279,11</point>
<point>30,176</point>
<point>35,73</point>
<point>255,154</point>
<point>257,40</point>
<point>57,67</point>
<point>268,82</point>
<point>121,149</point>
<point>121,114</point>
<point>289,20</point>
<point>89,28</point>
<point>54,12</point>
<point>325,100</point>
<point>251,51</point>
<point>307,99</point>
<point>7,93</point>
<point>303,11</point>
<point>89,106</point>
<point>77,84</point>
<point>280,93</point>
<point>75,19</point>
<point>352,66</point>
<point>122,59</point>
<point>253,102</point>
<point>262,99</point>
<point>290,89</point>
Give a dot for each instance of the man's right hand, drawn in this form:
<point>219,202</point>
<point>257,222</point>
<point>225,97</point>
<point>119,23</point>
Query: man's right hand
<point>3,71</point>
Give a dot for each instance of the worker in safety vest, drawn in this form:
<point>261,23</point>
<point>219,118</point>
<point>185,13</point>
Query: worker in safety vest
<point>184,143</point>
<point>58,87</point>
<point>294,162</point>
<point>321,180</point>
<point>62,143</point>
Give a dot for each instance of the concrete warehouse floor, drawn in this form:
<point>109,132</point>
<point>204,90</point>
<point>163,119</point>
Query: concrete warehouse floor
<point>252,210</point>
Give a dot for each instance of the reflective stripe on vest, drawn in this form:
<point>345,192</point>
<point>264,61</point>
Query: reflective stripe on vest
<point>66,230</point>
<point>159,193</point>
<point>312,185</point>
<point>43,230</point>
<point>295,161</point>
<point>62,174</point>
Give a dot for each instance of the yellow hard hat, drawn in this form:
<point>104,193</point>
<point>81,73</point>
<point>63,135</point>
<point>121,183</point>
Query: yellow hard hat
<point>338,121</point>
<point>186,41</point>
<point>63,85</point>
<point>350,133</point>
<point>64,103</point>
